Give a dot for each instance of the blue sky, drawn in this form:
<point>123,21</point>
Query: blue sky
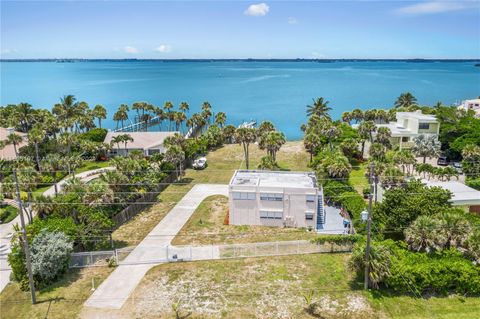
<point>240,29</point>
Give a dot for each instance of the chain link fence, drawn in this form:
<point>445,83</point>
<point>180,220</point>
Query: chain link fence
<point>211,252</point>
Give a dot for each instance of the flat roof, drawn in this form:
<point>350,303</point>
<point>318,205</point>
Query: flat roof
<point>274,179</point>
<point>141,140</point>
<point>418,115</point>
<point>461,193</point>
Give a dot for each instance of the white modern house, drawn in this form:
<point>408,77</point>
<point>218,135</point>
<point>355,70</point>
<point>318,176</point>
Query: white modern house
<point>276,198</point>
<point>471,105</point>
<point>147,142</point>
<point>408,126</point>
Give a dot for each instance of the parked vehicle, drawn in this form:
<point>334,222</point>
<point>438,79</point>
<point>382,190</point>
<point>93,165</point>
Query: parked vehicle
<point>442,160</point>
<point>458,167</point>
<point>200,163</point>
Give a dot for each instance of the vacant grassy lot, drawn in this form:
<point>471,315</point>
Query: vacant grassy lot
<point>357,177</point>
<point>61,300</point>
<point>207,226</point>
<point>89,165</point>
<point>276,287</point>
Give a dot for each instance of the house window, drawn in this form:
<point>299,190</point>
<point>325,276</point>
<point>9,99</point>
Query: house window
<point>424,126</point>
<point>271,215</point>
<point>243,195</point>
<point>309,216</point>
<point>310,198</point>
<point>271,196</point>
<point>405,138</point>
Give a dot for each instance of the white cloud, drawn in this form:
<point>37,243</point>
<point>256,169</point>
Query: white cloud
<point>432,7</point>
<point>130,50</point>
<point>292,20</point>
<point>164,48</point>
<point>257,10</point>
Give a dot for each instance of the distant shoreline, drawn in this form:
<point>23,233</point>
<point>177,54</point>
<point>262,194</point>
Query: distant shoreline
<point>68,60</point>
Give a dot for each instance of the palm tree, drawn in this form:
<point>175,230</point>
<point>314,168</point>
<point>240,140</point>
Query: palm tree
<point>319,108</point>
<point>272,141</point>
<point>331,132</point>
<point>404,158</point>
<point>220,119</point>
<point>44,206</point>
<point>168,106</point>
<point>405,100</point>
<point>122,114</point>
<point>67,139</point>
<point>335,165</point>
<point>176,156</point>
<point>184,107</point>
<point>346,117</point>
<point>357,115</point>
<point>24,115</point>
<point>383,137</point>
<point>377,152</point>
<point>229,133</point>
<point>365,130</point>
<point>137,107</point>
<point>455,228</point>
<point>72,162</point>
<point>312,142</point>
<point>179,117</point>
<point>379,261</point>
<point>370,115</point>
<point>100,113</point>
<point>125,138</point>
<point>265,127</point>
<point>35,136</point>
<point>161,116</point>
<point>116,140</point>
<point>245,136</point>
<point>426,146</point>
<point>53,163</point>
<point>14,139</point>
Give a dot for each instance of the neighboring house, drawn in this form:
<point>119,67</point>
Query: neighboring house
<point>147,142</point>
<point>462,195</point>
<point>276,198</point>
<point>471,105</point>
<point>408,126</point>
<point>8,151</point>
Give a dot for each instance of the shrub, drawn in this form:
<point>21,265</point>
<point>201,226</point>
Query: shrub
<point>54,224</point>
<point>353,203</point>
<point>16,260</point>
<point>337,239</point>
<point>94,135</point>
<point>50,256</point>
<point>332,189</point>
<point>473,183</point>
<point>268,163</point>
<point>441,273</point>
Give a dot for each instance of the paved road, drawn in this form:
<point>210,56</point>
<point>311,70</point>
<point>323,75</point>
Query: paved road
<point>6,230</point>
<point>116,289</point>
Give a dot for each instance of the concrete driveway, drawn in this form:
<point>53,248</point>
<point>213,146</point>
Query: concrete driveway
<point>116,289</point>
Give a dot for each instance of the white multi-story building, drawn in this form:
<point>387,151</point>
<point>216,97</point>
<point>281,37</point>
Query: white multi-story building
<point>471,105</point>
<point>408,126</point>
<point>276,198</point>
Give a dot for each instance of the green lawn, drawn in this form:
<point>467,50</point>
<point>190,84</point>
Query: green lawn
<point>357,177</point>
<point>61,300</point>
<point>7,213</point>
<point>207,226</point>
<point>89,165</point>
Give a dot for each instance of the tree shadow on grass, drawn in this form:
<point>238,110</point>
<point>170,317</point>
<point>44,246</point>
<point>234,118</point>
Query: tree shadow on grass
<point>66,280</point>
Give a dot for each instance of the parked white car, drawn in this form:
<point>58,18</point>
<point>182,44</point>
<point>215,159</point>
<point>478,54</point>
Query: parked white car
<point>200,163</point>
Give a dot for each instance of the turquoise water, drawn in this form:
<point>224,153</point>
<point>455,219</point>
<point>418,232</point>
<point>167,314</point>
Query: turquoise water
<point>277,91</point>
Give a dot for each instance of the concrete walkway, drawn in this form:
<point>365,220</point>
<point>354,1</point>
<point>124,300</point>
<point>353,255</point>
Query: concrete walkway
<point>116,289</point>
<point>6,230</point>
<point>333,222</point>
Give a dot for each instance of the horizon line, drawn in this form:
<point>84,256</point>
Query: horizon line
<point>232,59</point>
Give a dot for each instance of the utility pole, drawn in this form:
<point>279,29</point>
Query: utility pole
<point>369,225</point>
<point>25,240</point>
